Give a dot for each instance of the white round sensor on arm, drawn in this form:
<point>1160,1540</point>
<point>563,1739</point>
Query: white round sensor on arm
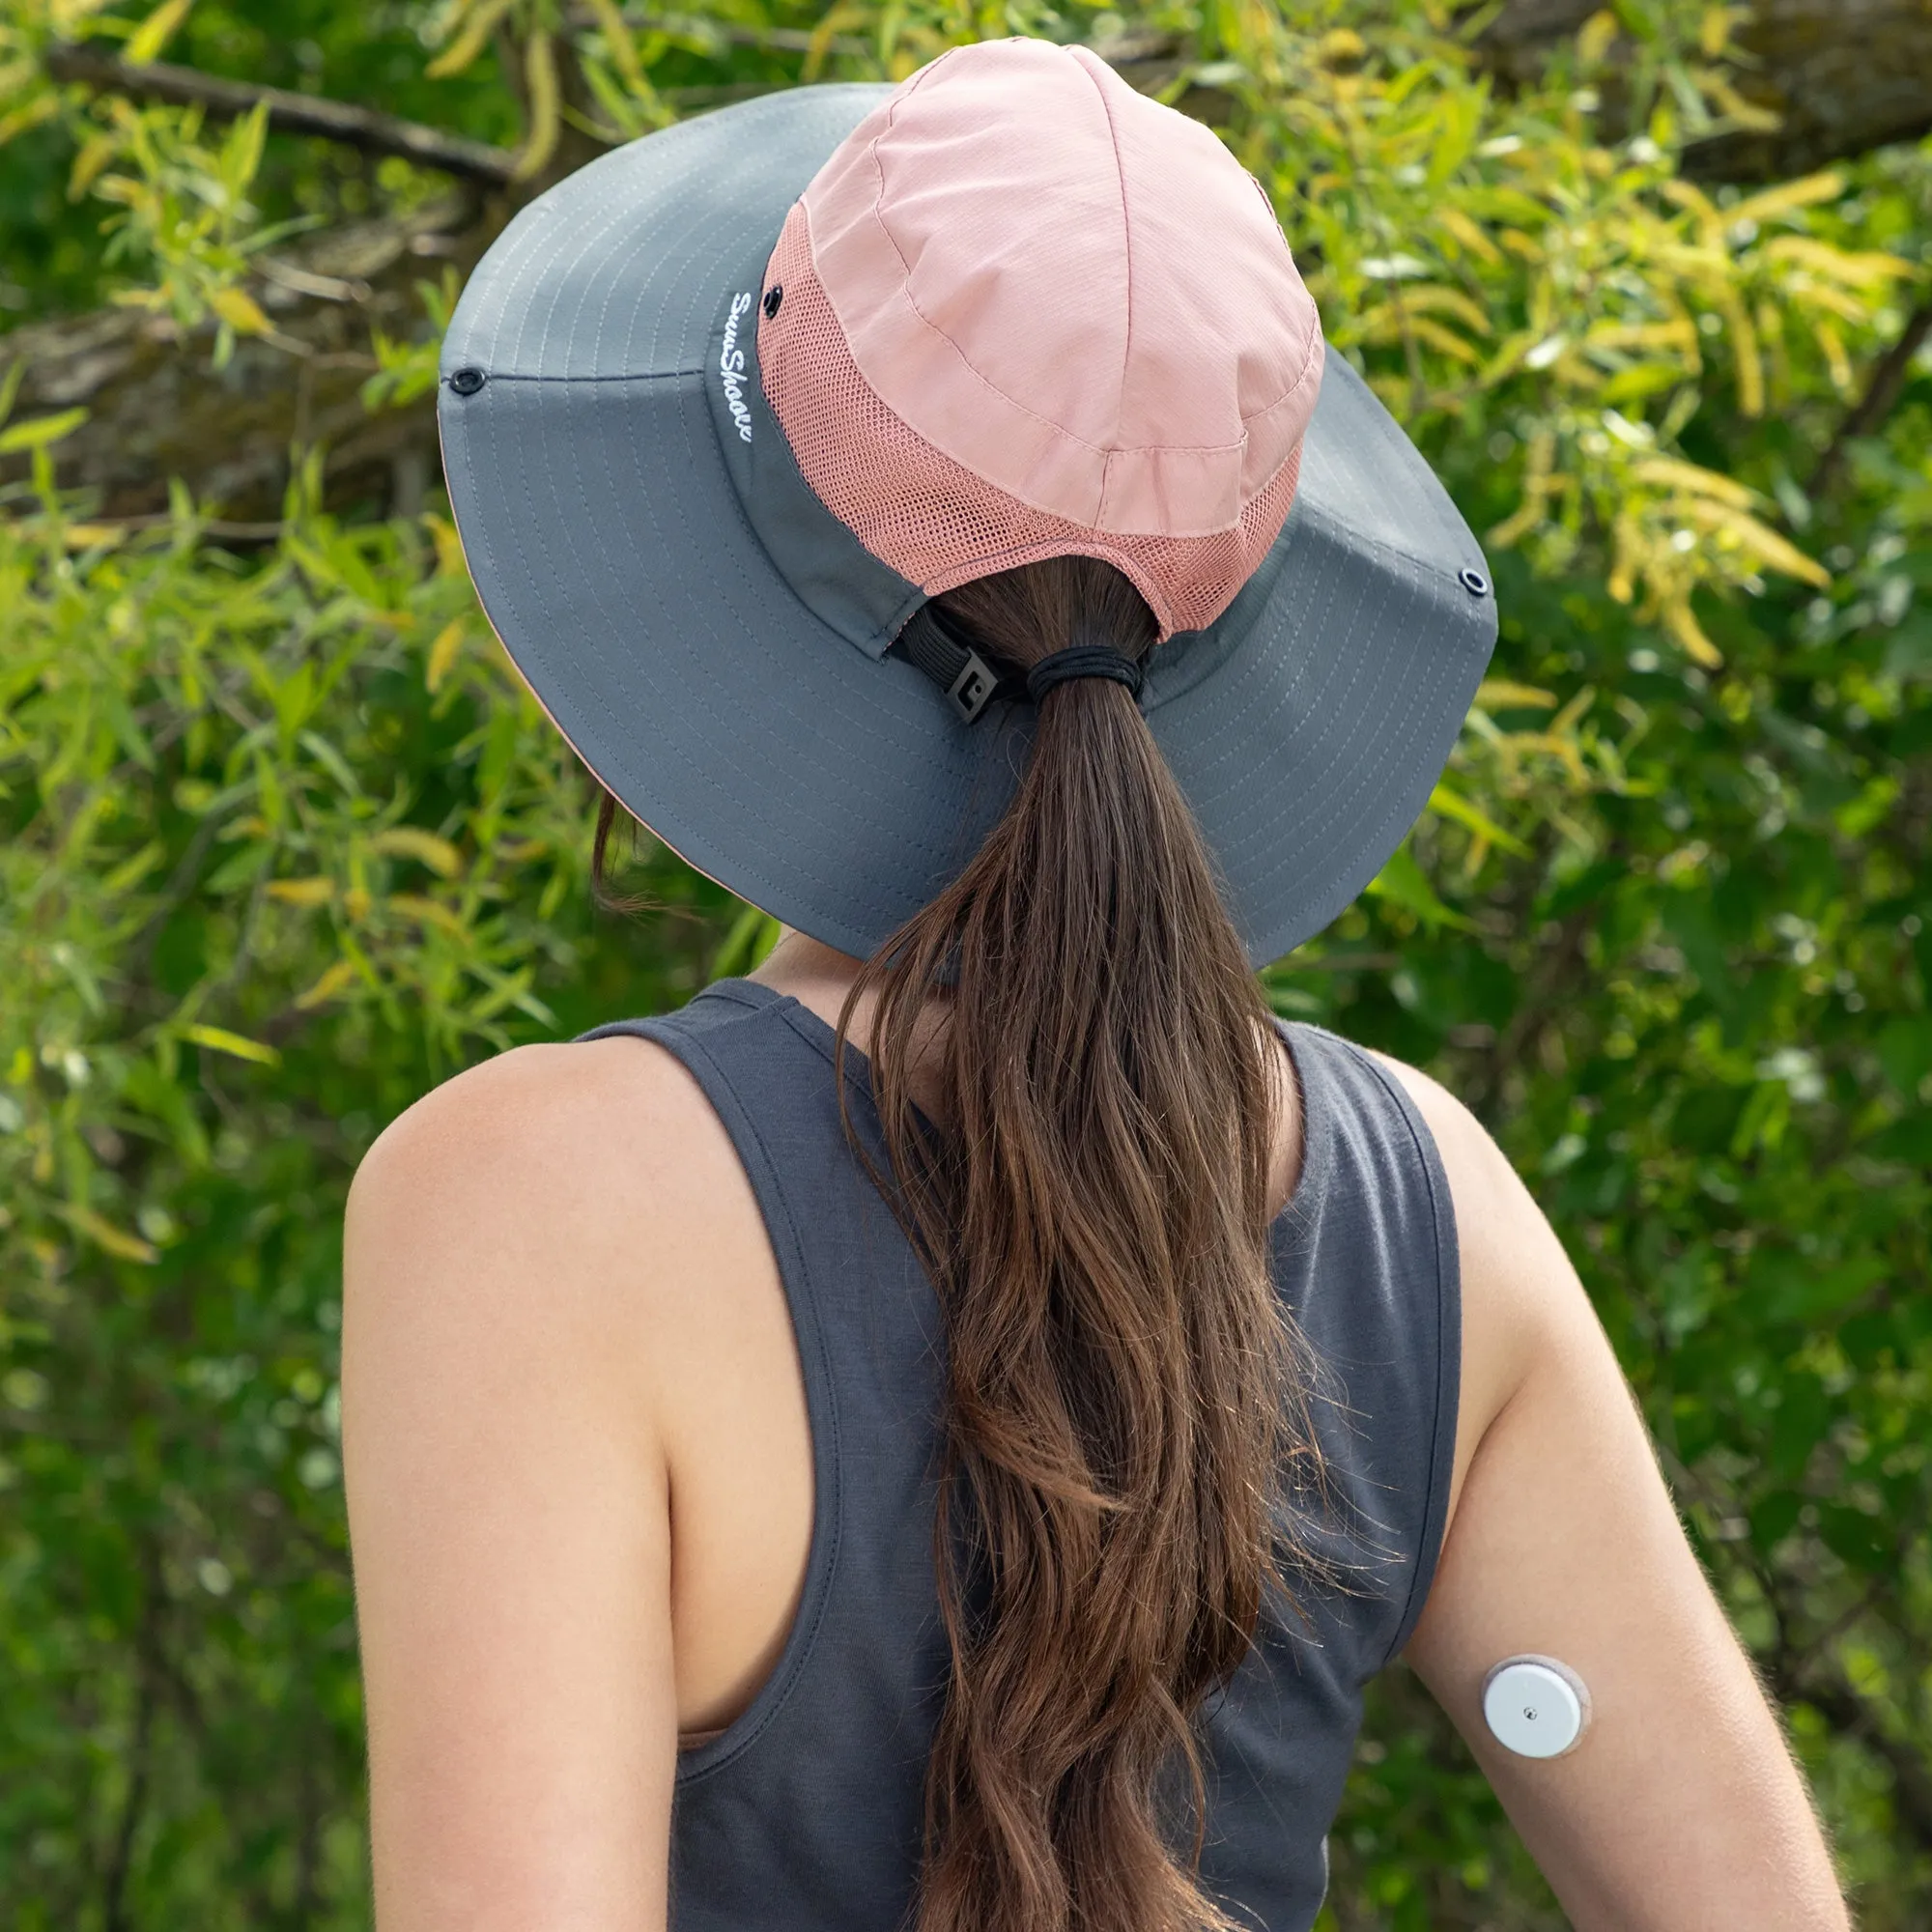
<point>1535,1706</point>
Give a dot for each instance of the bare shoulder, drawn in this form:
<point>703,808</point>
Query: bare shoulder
<point>532,1118</point>
<point>549,1179</point>
<point>542,1129</point>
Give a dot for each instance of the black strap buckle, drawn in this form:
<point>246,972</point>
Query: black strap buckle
<point>974,687</point>
<point>939,649</point>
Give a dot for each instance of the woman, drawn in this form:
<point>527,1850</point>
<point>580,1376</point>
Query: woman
<point>940,1433</point>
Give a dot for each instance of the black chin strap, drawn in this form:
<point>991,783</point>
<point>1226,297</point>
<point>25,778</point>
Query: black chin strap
<point>932,646</point>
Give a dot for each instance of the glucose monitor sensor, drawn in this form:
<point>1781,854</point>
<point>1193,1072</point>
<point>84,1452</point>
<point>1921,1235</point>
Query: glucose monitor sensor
<point>1536,1706</point>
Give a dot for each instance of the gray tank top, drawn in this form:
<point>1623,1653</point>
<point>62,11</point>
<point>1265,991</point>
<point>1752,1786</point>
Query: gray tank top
<point>804,1815</point>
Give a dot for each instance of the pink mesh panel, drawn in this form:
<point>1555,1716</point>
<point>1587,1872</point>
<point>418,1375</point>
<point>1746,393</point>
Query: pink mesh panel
<point>935,522</point>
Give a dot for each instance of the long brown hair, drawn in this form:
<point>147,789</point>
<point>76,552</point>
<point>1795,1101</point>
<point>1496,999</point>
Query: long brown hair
<point>1124,1420</point>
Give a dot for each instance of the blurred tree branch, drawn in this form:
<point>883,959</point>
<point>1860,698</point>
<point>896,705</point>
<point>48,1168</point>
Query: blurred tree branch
<point>157,410</point>
<point>373,133</point>
<point>1843,77</point>
<point>1866,417</point>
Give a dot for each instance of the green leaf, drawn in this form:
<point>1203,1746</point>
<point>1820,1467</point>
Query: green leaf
<point>219,1039</point>
<point>1861,1541</point>
<point>1904,1052</point>
<point>104,1233</point>
<point>1451,804</point>
<point>1785,1286</point>
<point>38,432</point>
<point>240,869</point>
<point>156,30</point>
<point>1803,1414</point>
<point>427,848</point>
<point>1773,1518</point>
<point>1402,882</point>
<point>1909,1140</point>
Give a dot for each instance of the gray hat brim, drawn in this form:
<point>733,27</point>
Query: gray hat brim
<point>838,790</point>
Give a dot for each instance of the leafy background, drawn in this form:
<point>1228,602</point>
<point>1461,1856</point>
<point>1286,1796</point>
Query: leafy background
<point>285,843</point>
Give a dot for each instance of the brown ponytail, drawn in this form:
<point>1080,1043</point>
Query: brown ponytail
<point>1123,1428</point>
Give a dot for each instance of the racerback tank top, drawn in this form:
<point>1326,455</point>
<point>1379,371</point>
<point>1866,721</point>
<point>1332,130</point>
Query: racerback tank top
<point>805,1814</point>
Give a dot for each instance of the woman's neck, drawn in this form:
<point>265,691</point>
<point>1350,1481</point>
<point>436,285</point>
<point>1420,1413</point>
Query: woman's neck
<point>817,978</point>
<point>820,979</point>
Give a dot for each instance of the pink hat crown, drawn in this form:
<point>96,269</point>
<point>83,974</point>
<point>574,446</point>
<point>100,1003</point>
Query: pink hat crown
<point>1024,311</point>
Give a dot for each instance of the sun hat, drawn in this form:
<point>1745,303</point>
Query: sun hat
<point>724,408</point>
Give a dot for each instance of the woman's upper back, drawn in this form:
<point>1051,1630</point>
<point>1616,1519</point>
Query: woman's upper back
<point>581,1458</point>
<point>806,1811</point>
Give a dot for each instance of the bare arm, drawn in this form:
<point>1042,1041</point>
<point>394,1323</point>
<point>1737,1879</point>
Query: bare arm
<point>508,1501</point>
<point>1680,1810</point>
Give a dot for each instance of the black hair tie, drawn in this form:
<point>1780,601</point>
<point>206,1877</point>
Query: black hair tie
<point>1083,661</point>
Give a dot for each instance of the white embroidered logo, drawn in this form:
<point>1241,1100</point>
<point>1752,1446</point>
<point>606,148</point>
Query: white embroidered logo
<point>731,368</point>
